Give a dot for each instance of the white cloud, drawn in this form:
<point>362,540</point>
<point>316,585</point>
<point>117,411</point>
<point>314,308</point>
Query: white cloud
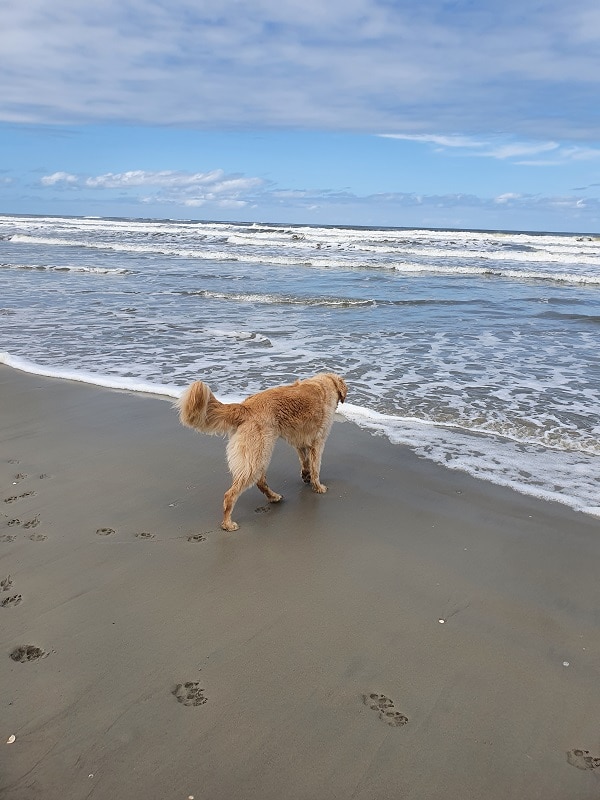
<point>580,153</point>
<point>507,197</point>
<point>58,178</point>
<point>505,150</point>
<point>216,180</point>
<point>452,140</point>
<point>361,65</point>
<point>518,149</point>
<point>568,202</point>
<point>166,178</point>
<point>172,187</point>
<point>196,202</point>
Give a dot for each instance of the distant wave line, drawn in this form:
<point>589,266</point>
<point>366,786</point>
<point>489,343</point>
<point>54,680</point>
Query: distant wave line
<point>384,235</point>
<point>56,268</point>
<point>330,302</point>
<point>592,318</point>
<point>280,299</point>
<point>537,255</point>
<point>525,275</point>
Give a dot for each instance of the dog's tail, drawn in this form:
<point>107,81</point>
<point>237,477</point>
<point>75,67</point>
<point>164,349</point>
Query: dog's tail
<point>200,409</point>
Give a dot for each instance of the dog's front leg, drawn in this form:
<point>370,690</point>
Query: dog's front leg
<point>314,460</point>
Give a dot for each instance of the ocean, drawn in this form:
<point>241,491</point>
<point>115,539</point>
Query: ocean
<point>479,350</point>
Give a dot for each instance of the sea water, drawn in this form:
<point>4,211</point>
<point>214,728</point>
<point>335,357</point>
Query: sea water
<point>480,350</point>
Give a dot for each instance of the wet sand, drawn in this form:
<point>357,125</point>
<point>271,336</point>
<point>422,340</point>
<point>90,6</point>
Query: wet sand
<point>414,633</point>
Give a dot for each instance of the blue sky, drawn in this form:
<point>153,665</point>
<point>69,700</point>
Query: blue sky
<point>481,114</point>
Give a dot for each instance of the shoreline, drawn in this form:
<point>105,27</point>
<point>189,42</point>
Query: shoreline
<point>456,446</point>
<point>466,607</point>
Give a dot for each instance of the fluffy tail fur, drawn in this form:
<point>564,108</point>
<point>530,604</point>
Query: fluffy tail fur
<point>200,409</point>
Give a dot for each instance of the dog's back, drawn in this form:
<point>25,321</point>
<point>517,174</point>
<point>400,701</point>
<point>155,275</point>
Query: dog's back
<point>300,412</point>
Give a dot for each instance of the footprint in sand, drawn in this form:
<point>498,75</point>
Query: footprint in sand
<point>6,584</point>
<point>32,523</point>
<point>145,535</point>
<point>19,477</point>
<point>197,537</point>
<point>385,709</point>
<point>27,652</point>
<point>105,531</point>
<point>190,694</point>
<point>12,522</point>
<point>11,602</point>
<point>7,537</point>
<point>18,497</point>
<point>44,475</point>
<point>262,510</point>
<point>37,537</point>
<point>582,759</point>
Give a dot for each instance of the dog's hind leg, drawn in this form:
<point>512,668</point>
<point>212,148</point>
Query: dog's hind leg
<point>271,496</point>
<point>263,457</point>
<point>248,454</point>
<point>229,500</point>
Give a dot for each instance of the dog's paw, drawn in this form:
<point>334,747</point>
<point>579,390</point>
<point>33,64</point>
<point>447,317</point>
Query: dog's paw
<point>230,526</point>
<point>275,498</point>
<point>305,475</point>
<point>319,488</point>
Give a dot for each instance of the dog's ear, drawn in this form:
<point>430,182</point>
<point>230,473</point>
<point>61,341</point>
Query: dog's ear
<point>340,386</point>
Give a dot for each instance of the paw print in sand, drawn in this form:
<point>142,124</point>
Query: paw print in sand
<point>385,709</point>
<point>189,694</point>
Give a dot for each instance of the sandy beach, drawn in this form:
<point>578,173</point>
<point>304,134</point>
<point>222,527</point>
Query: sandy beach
<point>414,633</point>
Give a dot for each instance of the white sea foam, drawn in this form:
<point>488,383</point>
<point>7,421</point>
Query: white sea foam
<point>592,279</point>
<point>276,299</point>
<point>239,335</point>
<point>575,476</point>
<point>66,268</point>
<point>93,378</point>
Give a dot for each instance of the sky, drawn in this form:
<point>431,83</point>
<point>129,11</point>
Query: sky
<point>410,113</point>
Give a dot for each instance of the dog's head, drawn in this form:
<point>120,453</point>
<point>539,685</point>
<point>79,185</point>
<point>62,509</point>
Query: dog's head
<point>340,386</point>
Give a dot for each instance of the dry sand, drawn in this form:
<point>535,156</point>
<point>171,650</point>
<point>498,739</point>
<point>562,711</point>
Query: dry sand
<point>468,612</point>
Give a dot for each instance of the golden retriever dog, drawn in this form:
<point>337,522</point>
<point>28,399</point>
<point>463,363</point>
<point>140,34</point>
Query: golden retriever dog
<point>300,413</point>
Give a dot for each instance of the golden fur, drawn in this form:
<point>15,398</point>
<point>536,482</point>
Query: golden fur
<point>301,413</point>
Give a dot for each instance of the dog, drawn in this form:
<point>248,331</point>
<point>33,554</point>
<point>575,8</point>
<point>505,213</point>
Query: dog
<point>301,413</point>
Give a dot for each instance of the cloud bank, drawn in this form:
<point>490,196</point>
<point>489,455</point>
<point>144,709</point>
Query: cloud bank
<point>348,65</point>
<point>177,187</point>
<point>541,153</point>
<point>217,190</point>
